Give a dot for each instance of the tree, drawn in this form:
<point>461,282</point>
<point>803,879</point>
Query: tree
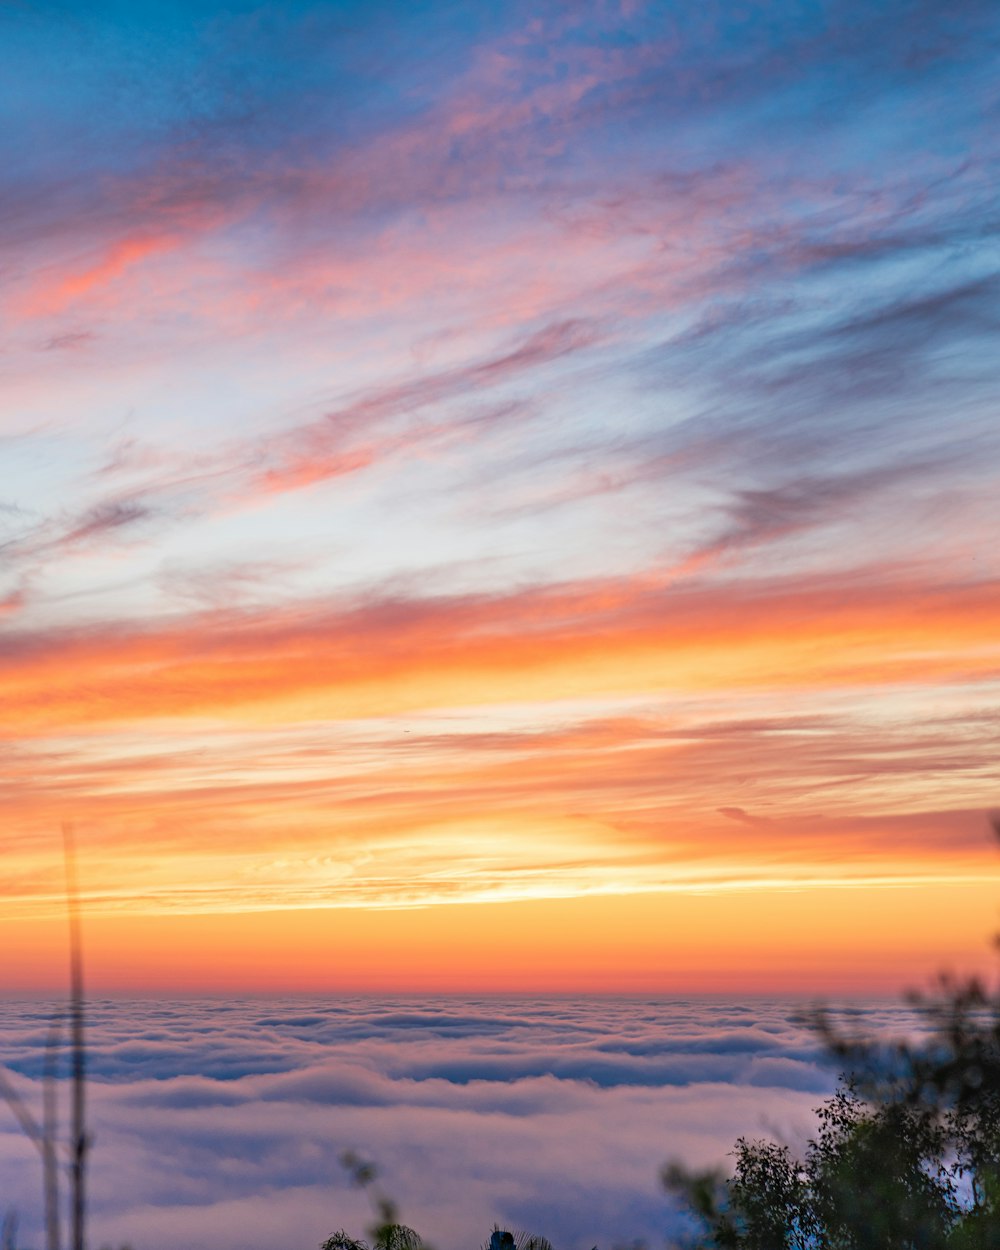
<point>504,1239</point>
<point>387,1237</point>
<point>907,1152</point>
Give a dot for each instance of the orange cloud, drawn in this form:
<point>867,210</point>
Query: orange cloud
<point>198,795</point>
<point>612,637</point>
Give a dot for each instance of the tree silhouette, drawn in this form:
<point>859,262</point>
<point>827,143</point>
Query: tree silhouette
<point>907,1152</point>
<point>504,1239</point>
<point>387,1237</point>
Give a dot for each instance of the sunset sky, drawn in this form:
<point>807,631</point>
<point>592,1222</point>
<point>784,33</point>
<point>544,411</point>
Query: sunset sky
<point>500,496</point>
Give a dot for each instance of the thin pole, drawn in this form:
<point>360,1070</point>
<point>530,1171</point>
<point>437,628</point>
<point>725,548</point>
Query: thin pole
<point>50,1129</point>
<point>79,1141</point>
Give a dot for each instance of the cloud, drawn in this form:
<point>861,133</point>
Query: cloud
<point>70,341</point>
<point>391,654</point>
<point>54,295</point>
<point>744,817</point>
<point>765,515</point>
<point>515,212</point>
<point>104,518</point>
<point>407,751</point>
<point>43,542</point>
<point>12,601</point>
<point>431,410</point>
<point>877,352</point>
<point>473,1111</point>
<point>323,449</point>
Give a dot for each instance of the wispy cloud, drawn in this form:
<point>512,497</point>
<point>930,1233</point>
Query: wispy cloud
<point>530,454</point>
<point>562,641</point>
<point>330,446</point>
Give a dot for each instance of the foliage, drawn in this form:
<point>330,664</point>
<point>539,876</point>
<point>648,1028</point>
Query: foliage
<point>343,1241</point>
<point>387,1237</point>
<point>504,1239</point>
<point>400,1237</point>
<point>906,1155</point>
<point>386,1232</point>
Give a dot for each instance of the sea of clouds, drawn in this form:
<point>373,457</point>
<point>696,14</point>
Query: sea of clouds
<point>219,1123</point>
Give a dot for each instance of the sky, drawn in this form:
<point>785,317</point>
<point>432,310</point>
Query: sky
<point>500,498</point>
<point>219,1123</point>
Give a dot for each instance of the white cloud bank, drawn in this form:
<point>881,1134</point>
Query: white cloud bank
<point>219,1123</point>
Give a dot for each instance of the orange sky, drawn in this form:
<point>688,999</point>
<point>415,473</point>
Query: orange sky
<point>604,786</point>
<point>519,496</point>
<point>852,939</point>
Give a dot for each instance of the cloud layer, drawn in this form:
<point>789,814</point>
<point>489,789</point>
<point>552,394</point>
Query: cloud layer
<point>219,1122</point>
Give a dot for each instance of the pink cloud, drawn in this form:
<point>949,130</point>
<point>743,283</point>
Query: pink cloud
<point>55,291</point>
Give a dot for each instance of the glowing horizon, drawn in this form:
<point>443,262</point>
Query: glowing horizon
<point>517,464</point>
